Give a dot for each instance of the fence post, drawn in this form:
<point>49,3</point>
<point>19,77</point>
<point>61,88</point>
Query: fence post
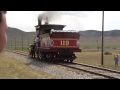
<point>28,42</point>
<point>11,44</point>
<point>22,41</point>
<point>15,43</point>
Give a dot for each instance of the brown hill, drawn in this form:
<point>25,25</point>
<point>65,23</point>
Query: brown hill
<point>88,37</point>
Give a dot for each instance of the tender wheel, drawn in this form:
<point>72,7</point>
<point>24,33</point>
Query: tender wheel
<point>71,61</point>
<point>67,60</point>
<point>54,57</point>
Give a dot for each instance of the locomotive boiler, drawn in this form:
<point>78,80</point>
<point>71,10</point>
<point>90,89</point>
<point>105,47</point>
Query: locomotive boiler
<point>52,43</point>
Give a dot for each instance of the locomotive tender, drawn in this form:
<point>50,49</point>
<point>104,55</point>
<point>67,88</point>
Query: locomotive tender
<point>52,43</point>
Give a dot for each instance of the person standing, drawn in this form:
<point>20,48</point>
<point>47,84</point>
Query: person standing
<point>116,59</point>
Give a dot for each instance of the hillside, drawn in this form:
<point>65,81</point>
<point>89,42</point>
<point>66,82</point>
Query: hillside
<point>14,32</point>
<point>95,33</point>
<point>89,38</point>
<point>17,36</point>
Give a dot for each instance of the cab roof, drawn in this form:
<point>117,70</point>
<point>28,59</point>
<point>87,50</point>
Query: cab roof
<point>50,26</point>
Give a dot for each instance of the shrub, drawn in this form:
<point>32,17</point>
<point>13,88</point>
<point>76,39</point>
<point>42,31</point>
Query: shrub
<point>108,53</point>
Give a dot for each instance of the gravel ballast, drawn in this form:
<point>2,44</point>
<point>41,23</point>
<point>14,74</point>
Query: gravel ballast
<point>59,72</point>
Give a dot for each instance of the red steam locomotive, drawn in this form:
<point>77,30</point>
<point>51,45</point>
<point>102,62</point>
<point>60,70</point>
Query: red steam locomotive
<point>53,43</point>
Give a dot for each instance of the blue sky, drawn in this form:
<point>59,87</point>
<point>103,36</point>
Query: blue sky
<point>74,20</point>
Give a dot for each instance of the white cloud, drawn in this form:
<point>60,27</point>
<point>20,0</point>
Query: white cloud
<point>80,20</point>
<point>112,20</point>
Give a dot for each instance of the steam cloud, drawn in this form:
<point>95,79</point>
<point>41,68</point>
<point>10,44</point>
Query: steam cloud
<point>51,16</point>
<point>62,17</point>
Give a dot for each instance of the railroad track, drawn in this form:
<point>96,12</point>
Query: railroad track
<point>106,73</point>
<point>98,71</point>
<point>18,52</point>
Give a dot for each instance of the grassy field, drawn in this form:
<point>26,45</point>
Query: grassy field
<point>94,45</point>
<point>91,54</point>
<point>93,57</point>
<point>10,68</point>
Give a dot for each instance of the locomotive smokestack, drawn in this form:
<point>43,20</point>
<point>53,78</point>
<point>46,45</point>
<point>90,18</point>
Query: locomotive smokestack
<point>39,22</point>
<point>47,21</point>
<point>40,18</point>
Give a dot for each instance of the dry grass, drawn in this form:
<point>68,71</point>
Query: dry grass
<point>11,68</point>
<point>94,58</point>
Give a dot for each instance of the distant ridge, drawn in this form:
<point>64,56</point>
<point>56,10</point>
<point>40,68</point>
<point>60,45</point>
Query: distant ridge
<point>91,33</point>
<point>87,35</point>
<point>14,32</point>
<point>95,33</point>
<point>87,38</point>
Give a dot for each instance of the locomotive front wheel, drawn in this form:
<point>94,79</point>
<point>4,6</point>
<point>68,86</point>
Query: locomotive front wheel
<point>49,57</point>
<point>38,54</point>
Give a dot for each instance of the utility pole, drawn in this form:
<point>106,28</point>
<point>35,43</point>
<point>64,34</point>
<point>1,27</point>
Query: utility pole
<point>102,55</point>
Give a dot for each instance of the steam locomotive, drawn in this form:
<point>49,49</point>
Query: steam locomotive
<point>52,43</point>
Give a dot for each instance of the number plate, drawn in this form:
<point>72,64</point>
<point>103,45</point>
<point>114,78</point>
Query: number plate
<point>66,43</point>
